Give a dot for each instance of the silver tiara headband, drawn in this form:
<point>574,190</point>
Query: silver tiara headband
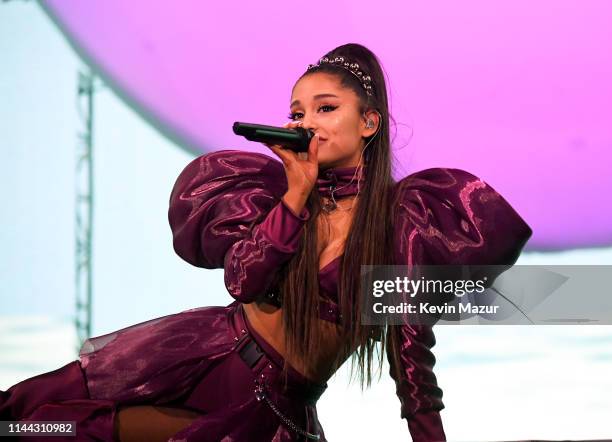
<point>353,68</point>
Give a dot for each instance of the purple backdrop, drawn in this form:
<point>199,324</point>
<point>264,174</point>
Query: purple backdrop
<point>516,92</point>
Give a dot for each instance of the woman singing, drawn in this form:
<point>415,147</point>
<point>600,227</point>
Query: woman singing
<point>291,235</point>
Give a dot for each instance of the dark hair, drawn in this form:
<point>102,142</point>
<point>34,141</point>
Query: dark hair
<point>369,240</point>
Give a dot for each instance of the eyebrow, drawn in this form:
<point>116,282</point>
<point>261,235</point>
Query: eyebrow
<point>316,97</point>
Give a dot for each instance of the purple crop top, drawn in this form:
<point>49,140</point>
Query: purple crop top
<point>226,212</point>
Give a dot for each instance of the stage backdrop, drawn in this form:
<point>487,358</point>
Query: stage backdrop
<point>516,92</point>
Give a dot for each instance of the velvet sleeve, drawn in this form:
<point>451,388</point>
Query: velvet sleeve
<point>445,216</point>
<point>226,211</point>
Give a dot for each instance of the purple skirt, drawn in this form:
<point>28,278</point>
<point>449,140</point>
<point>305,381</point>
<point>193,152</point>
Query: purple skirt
<point>208,360</point>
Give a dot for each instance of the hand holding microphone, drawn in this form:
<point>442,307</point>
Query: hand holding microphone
<point>301,168</point>
<point>297,148</point>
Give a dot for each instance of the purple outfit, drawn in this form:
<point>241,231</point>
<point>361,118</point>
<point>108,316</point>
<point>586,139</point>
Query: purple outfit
<point>226,212</point>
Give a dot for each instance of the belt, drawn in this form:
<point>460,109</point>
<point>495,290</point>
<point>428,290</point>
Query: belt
<point>266,365</point>
<point>260,363</point>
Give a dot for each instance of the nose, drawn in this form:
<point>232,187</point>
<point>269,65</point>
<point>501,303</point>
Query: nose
<point>307,124</point>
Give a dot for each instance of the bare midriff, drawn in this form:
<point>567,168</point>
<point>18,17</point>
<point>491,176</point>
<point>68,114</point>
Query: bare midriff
<point>266,319</point>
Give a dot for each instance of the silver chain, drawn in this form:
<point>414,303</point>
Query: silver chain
<point>332,204</point>
<point>261,394</point>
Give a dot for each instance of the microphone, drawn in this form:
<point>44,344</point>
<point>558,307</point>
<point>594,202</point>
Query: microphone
<point>296,139</point>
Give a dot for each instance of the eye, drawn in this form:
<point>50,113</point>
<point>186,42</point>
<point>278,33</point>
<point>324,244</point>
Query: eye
<point>328,106</point>
<point>297,115</point>
<point>293,115</point>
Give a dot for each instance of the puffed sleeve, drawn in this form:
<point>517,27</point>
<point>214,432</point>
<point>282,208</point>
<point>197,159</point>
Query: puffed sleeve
<point>226,211</point>
<point>445,216</point>
<point>449,216</point>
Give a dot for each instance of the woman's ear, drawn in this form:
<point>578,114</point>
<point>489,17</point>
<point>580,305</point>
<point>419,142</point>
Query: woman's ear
<point>371,122</point>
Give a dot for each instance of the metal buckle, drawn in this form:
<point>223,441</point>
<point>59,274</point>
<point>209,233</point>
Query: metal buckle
<point>250,353</point>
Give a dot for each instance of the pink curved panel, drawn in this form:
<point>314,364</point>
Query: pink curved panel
<point>517,92</point>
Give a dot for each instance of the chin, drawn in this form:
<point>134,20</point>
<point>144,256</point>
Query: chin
<point>324,160</point>
<point>325,163</point>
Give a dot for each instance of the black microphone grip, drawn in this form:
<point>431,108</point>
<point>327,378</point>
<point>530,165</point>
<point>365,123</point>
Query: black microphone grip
<point>296,139</point>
